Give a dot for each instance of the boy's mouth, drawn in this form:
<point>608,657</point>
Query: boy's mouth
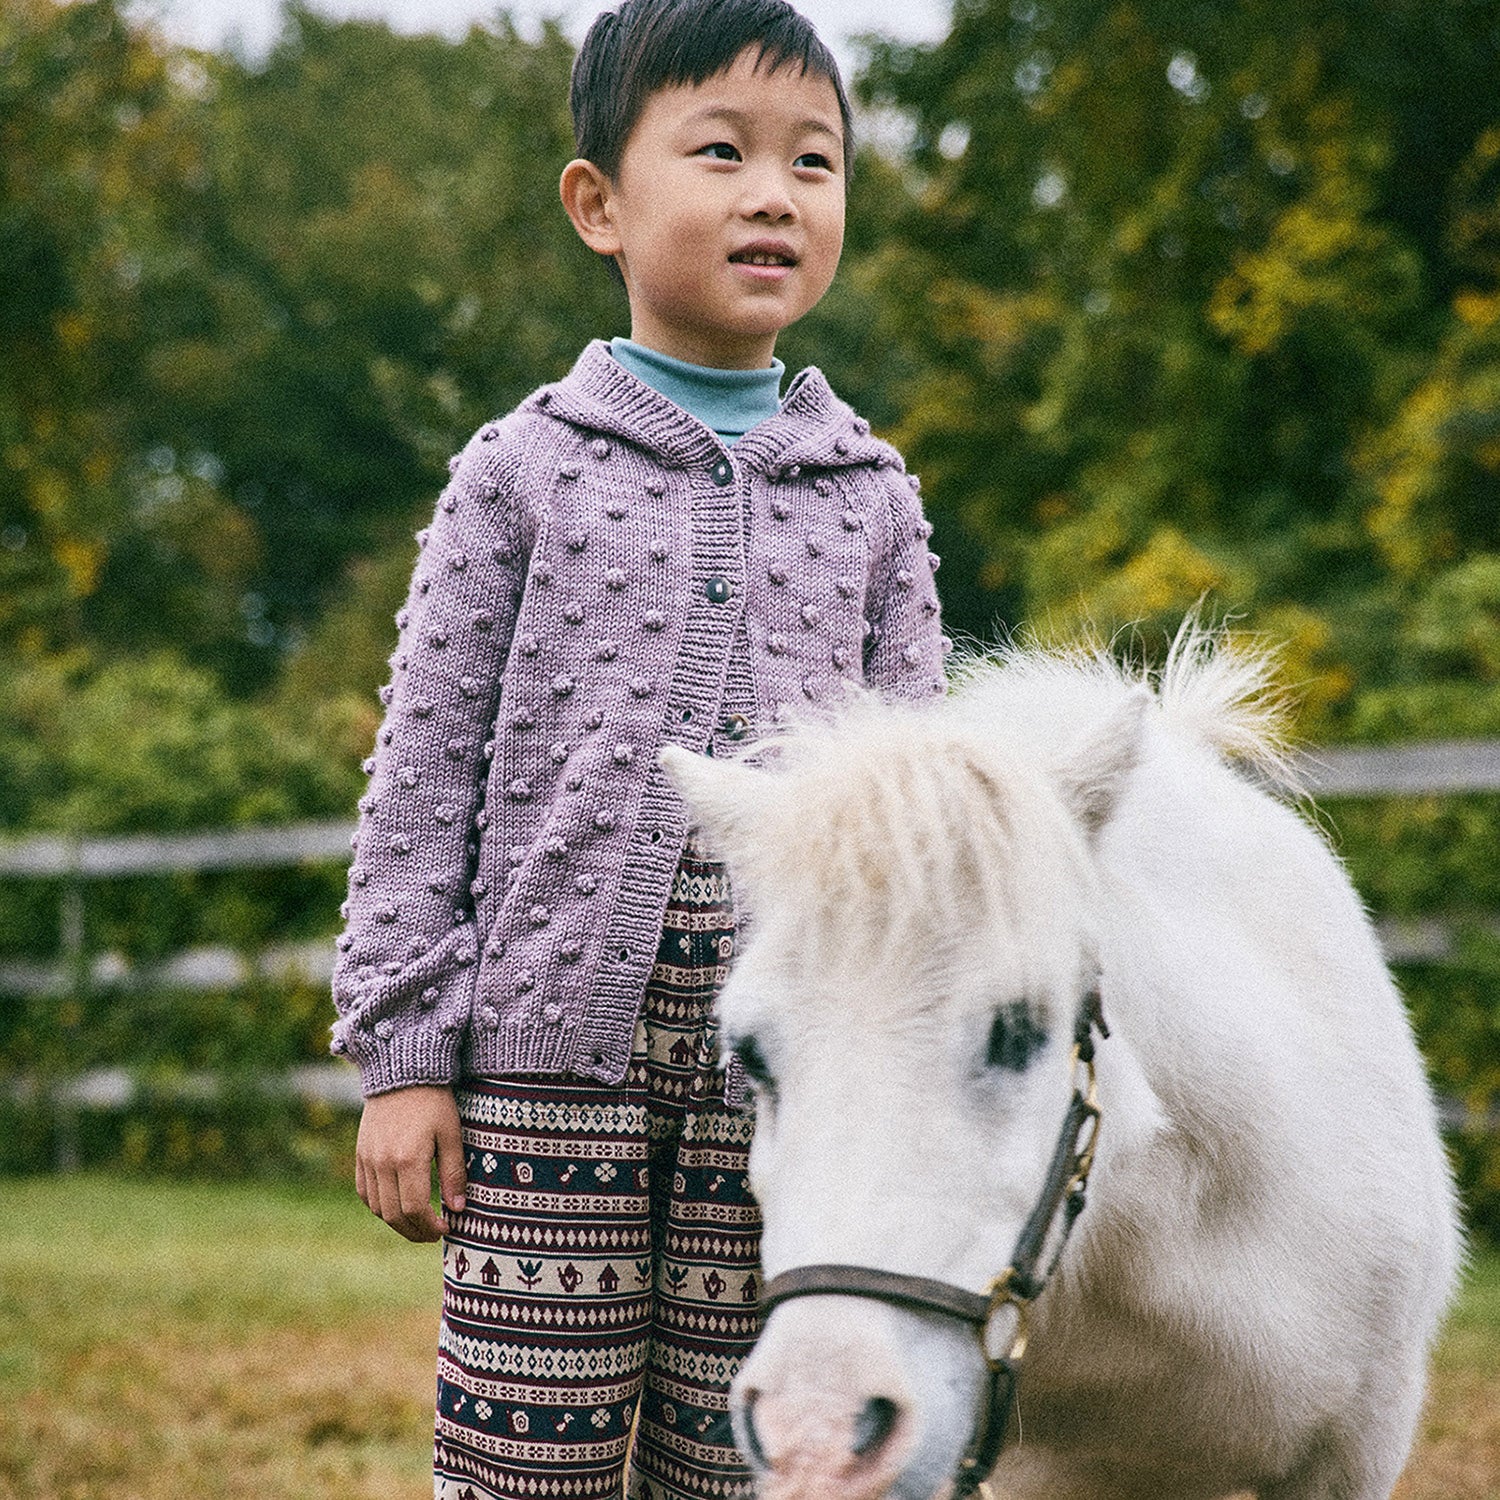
<point>763,255</point>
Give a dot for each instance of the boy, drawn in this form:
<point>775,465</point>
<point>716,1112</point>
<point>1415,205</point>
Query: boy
<point>657,549</point>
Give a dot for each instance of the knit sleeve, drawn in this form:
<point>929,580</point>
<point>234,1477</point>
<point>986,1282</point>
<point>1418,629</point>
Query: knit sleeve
<point>405,969</point>
<point>905,649</point>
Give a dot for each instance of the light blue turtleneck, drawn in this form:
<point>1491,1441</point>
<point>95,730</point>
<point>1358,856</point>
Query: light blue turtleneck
<point>729,402</point>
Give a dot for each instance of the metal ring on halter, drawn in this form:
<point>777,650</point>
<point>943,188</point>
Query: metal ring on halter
<point>1003,1293</point>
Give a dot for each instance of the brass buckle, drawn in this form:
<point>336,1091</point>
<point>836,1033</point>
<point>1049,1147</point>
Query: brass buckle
<point>1083,1154</point>
<point>1002,1293</point>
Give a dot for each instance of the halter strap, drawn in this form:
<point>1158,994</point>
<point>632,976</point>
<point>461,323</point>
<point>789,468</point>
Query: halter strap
<point>885,1286</point>
<point>1063,1192</point>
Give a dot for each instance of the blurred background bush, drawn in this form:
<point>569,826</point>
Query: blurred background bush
<point>1164,302</point>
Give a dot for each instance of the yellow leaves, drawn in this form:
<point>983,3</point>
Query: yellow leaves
<point>1474,225</point>
<point>75,330</point>
<point>99,466</point>
<point>1477,310</point>
<point>1166,576</point>
<point>225,544</point>
<point>81,560</point>
<point>1321,255</point>
<point>1318,681</point>
<point>1441,445</point>
<point>48,491</point>
<point>1104,568</point>
<point>1324,252</point>
<point>995,324</point>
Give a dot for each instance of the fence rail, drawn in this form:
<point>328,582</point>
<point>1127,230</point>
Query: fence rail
<point>99,857</point>
<point>1438,768</point>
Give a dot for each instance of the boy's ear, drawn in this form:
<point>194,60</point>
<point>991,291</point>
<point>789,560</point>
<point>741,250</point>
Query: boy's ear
<point>587,194</point>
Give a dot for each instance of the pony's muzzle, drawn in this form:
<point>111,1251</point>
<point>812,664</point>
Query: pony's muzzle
<point>829,1438</point>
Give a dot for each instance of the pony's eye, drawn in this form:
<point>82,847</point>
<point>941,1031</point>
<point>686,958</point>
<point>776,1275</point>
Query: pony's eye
<point>1015,1038</point>
<point>753,1061</point>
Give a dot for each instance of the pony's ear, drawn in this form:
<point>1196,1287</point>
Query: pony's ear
<point>719,794</point>
<point>1094,769</point>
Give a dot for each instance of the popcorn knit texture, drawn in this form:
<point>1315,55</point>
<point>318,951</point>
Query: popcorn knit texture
<point>576,605</point>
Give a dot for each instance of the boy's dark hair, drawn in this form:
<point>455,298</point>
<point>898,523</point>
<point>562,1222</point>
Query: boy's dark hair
<point>647,45</point>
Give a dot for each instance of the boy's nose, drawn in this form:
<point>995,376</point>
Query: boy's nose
<point>768,197</point>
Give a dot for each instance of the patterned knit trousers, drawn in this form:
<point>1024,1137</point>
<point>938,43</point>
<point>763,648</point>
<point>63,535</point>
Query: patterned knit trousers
<point>600,1290</point>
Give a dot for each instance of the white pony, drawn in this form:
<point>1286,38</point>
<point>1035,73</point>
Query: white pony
<point>1248,1299</point>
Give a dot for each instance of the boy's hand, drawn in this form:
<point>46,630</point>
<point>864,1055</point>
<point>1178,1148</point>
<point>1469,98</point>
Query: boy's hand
<point>399,1135</point>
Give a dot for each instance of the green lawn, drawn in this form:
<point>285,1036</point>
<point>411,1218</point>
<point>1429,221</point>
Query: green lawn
<point>162,1339</point>
<point>166,1339</point>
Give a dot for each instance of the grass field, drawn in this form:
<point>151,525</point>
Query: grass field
<point>165,1340</point>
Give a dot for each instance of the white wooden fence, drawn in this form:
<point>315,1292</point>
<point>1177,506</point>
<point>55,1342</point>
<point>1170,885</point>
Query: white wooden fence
<point>1437,768</point>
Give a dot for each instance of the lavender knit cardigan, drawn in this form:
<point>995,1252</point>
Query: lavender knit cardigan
<point>573,610</point>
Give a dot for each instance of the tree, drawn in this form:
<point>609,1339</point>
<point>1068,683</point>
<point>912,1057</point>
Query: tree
<point>1175,280</point>
<point>380,263</point>
<point>250,310</point>
<point>91,165</point>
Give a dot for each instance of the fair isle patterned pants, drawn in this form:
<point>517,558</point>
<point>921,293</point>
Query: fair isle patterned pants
<point>600,1290</point>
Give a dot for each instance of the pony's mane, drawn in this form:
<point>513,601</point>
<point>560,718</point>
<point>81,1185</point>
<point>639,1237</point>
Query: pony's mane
<point>888,812</point>
<point>1214,688</point>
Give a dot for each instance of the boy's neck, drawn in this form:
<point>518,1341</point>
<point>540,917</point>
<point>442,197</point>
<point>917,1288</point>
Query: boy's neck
<point>757,352</point>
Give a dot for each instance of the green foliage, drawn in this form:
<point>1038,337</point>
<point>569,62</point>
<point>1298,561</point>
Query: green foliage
<point>89,166</point>
<point>1413,857</point>
<point>380,263</point>
<point>1162,302</point>
<point>1456,1010</point>
<point>169,1041</point>
<point>151,744</point>
<point>1200,301</point>
<point>266,303</point>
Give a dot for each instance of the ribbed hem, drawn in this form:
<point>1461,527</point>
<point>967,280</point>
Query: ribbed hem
<point>407,1061</point>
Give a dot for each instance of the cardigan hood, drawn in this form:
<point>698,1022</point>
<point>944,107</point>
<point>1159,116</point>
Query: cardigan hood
<point>573,609</point>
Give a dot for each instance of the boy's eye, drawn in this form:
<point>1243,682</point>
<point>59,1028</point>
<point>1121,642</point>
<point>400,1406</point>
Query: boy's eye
<point>814,159</point>
<point>720,151</point>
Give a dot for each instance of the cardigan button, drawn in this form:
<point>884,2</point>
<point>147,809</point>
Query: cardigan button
<point>717,590</point>
<point>722,472</point>
<point>736,727</point>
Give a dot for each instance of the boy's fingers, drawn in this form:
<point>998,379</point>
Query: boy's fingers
<point>392,1210</point>
<point>371,1193</point>
<point>399,1134</point>
<point>414,1187</point>
<point>453,1177</point>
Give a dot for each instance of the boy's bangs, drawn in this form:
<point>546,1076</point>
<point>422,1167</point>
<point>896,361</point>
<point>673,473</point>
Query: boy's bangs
<point>672,53</point>
<point>648,45</point>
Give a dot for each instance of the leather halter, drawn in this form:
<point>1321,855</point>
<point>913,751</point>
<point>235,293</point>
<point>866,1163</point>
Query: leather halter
<point>1016,1286</point>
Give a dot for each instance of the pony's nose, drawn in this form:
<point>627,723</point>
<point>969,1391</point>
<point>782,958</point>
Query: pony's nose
<point>873,1426</point>
<point>808,1450</point>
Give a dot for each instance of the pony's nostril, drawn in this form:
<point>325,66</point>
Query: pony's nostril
<point>754,1452</point>
<point>874,1425</point>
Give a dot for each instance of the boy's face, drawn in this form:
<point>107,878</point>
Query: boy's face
<point>727,213</point>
